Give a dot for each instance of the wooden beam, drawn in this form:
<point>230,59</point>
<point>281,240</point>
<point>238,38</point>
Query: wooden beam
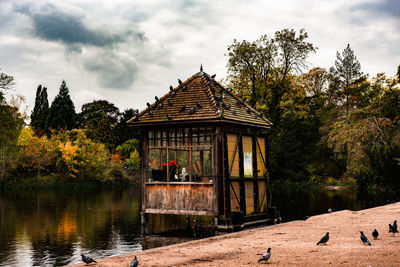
<point>255,175</point>
<point>226,175</point>
<point>241,174</point>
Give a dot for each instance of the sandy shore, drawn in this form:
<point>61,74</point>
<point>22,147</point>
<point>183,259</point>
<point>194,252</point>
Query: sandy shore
<point>292,243</point>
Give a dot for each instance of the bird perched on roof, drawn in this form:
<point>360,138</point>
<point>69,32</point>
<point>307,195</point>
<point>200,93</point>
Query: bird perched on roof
<point>212,90</point>
<point>375,234</point>
<point>179,81</point>
<point>182,108</point>
<point>265,257</point>
<point>228,106</point>
<point>234,111</point>
<point>169,117</point>
<point>150,113</point>
<point>87,259</point>
<point>134,262</point>
<point>364,239</point>
<point>160,105</point>
<point>199,105</point>
<point>213,76</point>
<point>184,88</point>
<point>148,104</point>
<point>392,229</point>
<point>171,88</point>
<point>156,98</point>
<point>324,239</point>
<point>192,110</point>
<point>173,93</point>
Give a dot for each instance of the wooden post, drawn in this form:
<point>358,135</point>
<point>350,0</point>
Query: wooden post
<point>226,176</point>
<point>242,187</point>
<point>145,166</point>
<point>255,175</point>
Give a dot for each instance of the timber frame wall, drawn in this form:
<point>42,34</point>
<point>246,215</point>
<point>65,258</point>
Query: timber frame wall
<point>211,198</point>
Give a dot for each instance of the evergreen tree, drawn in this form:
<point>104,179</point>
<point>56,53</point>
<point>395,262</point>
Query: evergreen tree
<point>62,111</point>
<point>122,130</point>
<point>347,70</point>
<point>41,110</point>
<point>398,73</point>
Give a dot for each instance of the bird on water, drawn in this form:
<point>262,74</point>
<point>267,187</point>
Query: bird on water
<point>134,262</point>
<point>87,259</point>
<point>364,239</point>
<point>375,234</point>
<point>266,256</point>
<point>324,239</point>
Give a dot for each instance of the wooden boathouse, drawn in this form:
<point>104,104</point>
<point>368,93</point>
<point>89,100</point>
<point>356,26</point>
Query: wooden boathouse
<point>205,153</point>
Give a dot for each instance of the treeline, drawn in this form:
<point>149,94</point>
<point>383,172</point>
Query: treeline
<point>60,145</point>
<point>332,126</point>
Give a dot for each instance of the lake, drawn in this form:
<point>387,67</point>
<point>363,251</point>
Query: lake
<point>53,227</point>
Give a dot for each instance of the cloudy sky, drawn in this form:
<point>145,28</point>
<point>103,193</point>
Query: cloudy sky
<point>128,51</point>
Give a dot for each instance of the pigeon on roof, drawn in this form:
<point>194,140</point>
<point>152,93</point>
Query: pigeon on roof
<point>191,110</point>
<point>324,239</point>
<point>184,88</point>
<point>213,76</point>
<point>169,117</point>
<point>150,113</point>
<point>234,111</point>
<point>199,105</point>
<point>156,98</point>
<point>375,234</point>
<point>179,81</point>
<point>364,239</point>
<point>87,259</point>
<point>182,108</point>
<point>266,256</point>
<point>171,88</point>
<point>134,262</point>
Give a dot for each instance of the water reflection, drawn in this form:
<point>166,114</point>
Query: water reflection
<point>53,227</point>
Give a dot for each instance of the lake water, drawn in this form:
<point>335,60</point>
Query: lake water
<point>53,227</point>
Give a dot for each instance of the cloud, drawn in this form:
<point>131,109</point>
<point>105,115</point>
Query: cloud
<point>53,24</point>
<point>112,70</point>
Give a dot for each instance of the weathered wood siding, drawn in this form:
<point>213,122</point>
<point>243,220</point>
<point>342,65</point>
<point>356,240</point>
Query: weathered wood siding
<point>180,198</point>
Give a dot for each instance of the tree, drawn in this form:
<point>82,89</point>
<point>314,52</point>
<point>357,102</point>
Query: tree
<point>122,130</point>
<point>62,111</point>
<point>11,123</point>
<point>260,70</point>
<point>398,74</point>
<point>99,118</point>
<point>40,111</point>
<point>347,70</point>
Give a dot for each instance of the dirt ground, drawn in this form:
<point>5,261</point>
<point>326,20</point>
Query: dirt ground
<point>292,244</point>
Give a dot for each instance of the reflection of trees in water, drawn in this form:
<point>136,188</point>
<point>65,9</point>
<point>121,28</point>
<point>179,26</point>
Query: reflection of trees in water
<point>296,203</point>
<point>56,220</point>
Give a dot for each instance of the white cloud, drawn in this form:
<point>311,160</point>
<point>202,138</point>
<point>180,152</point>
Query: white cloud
<point>110,61</point>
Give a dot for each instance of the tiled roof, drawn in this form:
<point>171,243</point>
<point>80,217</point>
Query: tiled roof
<point>199,98</point>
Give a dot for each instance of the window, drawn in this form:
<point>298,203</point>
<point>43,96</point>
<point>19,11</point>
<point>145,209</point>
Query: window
<point>233,154</point>
<point>248,156</point>
<point>180,155</point>
<point>261,156</point>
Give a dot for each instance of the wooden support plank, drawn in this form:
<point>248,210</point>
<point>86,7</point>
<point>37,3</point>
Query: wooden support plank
<point>255,175</point>
<point>226,175</point>
<point>241,174</point>
<point>145,165</point>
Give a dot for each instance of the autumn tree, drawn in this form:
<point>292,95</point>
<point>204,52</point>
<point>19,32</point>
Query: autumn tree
<point>40,111</point>
<point>62,111</point>
<point>11,123</point>
<point>347,70</point>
